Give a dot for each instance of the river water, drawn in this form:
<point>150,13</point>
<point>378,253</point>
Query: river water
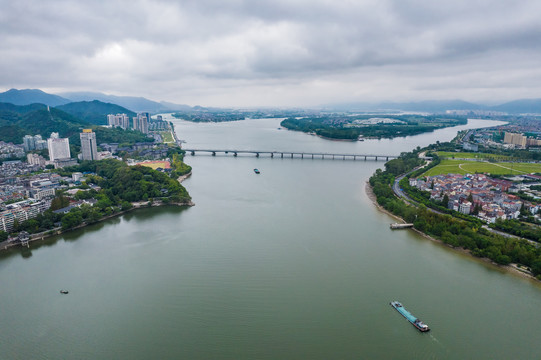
<point>294,263</point>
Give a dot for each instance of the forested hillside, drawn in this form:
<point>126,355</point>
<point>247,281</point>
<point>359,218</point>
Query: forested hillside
<point>94,112</point>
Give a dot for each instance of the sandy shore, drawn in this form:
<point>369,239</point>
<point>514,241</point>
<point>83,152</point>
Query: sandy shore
<point>184,177</point>
<point>512,268</point>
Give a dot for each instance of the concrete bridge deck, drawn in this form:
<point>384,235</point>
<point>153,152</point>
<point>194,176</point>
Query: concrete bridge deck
<point>294,154</point>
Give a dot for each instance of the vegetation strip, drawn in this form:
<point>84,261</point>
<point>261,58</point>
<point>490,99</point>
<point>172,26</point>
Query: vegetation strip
<point>466,232</point>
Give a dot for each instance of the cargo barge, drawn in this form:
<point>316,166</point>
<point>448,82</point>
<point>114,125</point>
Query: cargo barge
<point>412,319</point>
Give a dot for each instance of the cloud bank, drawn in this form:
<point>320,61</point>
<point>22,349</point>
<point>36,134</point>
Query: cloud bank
<point>274,53</point>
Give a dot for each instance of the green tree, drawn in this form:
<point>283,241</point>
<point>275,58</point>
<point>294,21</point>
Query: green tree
<point>59,202</point>
<point>72,219</point>
<point>445,200</point>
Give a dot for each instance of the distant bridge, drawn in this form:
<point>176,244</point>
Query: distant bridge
<point>296,154</point>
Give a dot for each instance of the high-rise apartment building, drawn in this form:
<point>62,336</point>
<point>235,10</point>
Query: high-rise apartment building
<point>515,139</point>
<point>59,148</point>
<point>118,120</point>
<point>34,143</point>
<point>89,150</point>
<point>140,122</point>
<point>28,143</point>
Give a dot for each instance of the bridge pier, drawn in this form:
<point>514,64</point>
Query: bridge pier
<point>300,154</point>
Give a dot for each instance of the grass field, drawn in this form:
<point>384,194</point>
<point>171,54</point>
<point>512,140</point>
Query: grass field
<point>471,167</point>
<point>469,155</point>
<point>167,137</point>
<point>155,164</point>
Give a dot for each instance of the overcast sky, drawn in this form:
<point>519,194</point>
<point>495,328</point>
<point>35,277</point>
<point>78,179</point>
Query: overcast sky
<point>275,53</point>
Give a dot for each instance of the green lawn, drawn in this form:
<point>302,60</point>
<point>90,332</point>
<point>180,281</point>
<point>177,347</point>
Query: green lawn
<point>470,155</point>
<point>463,167</point>
<point>167,137</point>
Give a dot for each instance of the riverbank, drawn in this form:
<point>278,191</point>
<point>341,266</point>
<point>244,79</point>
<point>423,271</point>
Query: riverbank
<point>512,268</point>
<point>58,230</point>
<point>184,177</point>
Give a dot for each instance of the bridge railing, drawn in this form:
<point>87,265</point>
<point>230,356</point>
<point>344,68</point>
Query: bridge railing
<point>295,154</point>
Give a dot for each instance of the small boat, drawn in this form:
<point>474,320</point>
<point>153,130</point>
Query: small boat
<point>412,319</point>
<point>257,171</point>
<point>64,291</point>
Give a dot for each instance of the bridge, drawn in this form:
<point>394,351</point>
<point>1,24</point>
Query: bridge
<point>295,154</point>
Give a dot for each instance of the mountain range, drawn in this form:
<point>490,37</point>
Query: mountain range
<point>135,104</point>
<point>138,104</point>
<point>522,106</point>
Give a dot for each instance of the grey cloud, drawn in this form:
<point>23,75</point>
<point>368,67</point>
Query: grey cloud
<point>298,51</point>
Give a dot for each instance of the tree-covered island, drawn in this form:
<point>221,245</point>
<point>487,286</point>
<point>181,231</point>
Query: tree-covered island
<point>354,127</point>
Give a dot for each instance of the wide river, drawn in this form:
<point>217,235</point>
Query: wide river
<point>294,263</point>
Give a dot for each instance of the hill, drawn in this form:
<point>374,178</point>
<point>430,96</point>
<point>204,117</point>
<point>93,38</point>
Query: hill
<point>94,112</point>
<point>523,106</point>
<point>23,109</point>
<point>20,121</point>
<point>31,96</point>
<point>133,103</point>
<point>17,121</point>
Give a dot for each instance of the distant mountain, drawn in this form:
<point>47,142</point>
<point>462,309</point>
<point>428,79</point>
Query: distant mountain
<point>431,106</point>
<point>176,107</point>
<point>94,112</point>
<point>523,106</point>
<point>31,96</point>
<point>137,104</point>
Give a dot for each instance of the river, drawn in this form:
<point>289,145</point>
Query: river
<point>294,263</point>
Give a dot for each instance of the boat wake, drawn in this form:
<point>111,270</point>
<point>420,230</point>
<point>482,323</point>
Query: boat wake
<point>437,341</point>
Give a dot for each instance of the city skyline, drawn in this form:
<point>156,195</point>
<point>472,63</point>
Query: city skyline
<point>275,53</point>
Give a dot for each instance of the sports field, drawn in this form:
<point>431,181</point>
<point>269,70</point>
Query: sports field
<point>472,167</point>
<point>156,164</point>
<point>470,155</point>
